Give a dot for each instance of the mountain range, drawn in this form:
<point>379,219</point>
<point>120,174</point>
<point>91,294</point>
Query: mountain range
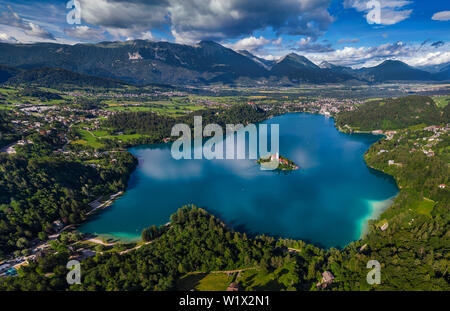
<point>146,62</point>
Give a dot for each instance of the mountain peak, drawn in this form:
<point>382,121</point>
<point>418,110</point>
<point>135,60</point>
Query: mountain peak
<point>185,64</point>
<point>295,56</point>
<point>391,62</point>
<point>395,70</point>
<point>326,65</point>
<point>298,60</point>
<point>209,43</point>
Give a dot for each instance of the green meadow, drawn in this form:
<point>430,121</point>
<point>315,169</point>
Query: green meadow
<point>204,282</point>
<point>94,138</point>
<point>425,206</point>
<point>441,101</point>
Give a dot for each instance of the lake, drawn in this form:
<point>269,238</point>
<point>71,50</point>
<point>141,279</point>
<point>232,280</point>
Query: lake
<point>328,201</point>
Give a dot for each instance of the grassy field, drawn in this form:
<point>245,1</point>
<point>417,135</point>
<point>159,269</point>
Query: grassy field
<point>204,282</point>
<point>373,99</point>
<point>253,279</point>
<point>14,95</point>
<point>129,108</point>
<point>99,134</point>
<point>125,138</point>
<point>173,107</point>
<point>259,280</point>
<point>88,139</point>
<point>94,138</point>
<point>6,107</point>
<point>425,206</point>
<point>441,101</point>
<point>166,109</point>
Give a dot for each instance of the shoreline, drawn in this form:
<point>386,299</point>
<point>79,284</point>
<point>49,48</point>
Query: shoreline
<point>374,214</point>
<point>96,209</point>
<point>105,204</point>
<point>378,207</point>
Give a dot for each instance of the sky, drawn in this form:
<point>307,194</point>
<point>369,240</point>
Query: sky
<point>352,33</point>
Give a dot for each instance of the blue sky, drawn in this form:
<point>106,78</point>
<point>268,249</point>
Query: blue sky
<point>347,32</point>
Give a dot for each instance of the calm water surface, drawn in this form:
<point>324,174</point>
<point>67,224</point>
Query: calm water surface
<point>327,202</point>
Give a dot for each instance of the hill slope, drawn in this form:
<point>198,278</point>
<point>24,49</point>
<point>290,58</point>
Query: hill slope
<point>145,62</point>
<point>57,77</point>
<point>390,114</point>
<point>137,61</point>
<point>298,68</point>
<point>6,73</point>
<point>392,70</point>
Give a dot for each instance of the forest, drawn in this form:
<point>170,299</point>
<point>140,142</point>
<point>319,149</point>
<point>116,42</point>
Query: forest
<point>194,241</point>
<point>392,114</point>
<point>413,249</point>
<point>38,187</point>
<point>160,126</point>
<point>7,132</point>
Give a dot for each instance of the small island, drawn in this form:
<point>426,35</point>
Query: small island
<point>277,162</point>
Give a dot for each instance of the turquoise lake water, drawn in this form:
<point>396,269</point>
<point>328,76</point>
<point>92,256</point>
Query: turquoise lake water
<point>327,201</point>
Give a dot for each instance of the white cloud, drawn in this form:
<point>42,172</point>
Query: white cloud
<point>278,41</point>
<point>356,57</point>
<point>354,40</point>
<point>22,37</point>
<point>429,59</point>
<point>364,56</point>
<point>85,33</point>
<point>391,11</point>
<point>192,20</point>
<point>268,57</point>
<point>441,16</point>
<point>5,38</point>
<point>250,44</point>
<point>307,45</point>
<point>147,35</point>
<point>11,18</point>
<point>36,31</point>
<point>218,20</point>
<point>124,18</point>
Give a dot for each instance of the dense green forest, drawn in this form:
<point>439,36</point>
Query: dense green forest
<point>160,125</point>
<point>391,114</point>
<point>54,78</point>
<point>413,250</point>
<point>7,132</point>
<point>57,77</point>
<point>155,127</point>
<point>195,241</point>
<point>39,94</point>
<point>38,187</point>
<point>6,73</point>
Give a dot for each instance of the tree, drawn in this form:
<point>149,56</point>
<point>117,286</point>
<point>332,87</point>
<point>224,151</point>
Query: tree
<point>146,235</point>
<point>21,243</point>
<point>42,236</point>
